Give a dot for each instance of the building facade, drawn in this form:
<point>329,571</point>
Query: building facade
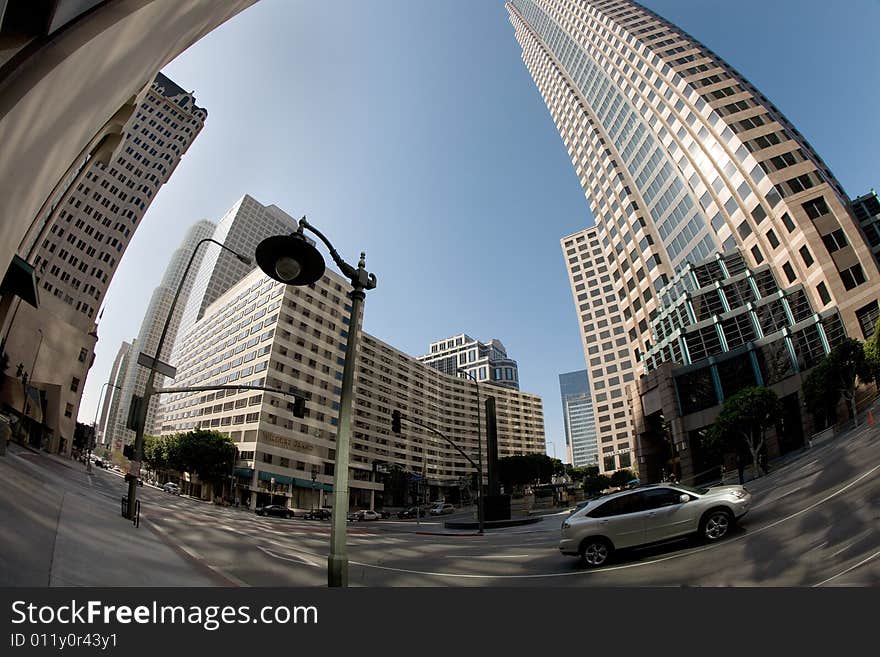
<point>680,157</point>
<point>485,361</point>
<point>724,327</point>
<point>261,332</point>
<point>580,423</point>
<point>88,231</point>
<point>866,209</point>
<point>134,376</point>
<point>245,224</point>
<point>113,397</point>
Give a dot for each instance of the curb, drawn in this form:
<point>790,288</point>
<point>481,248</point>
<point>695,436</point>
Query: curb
<point>445,534</point>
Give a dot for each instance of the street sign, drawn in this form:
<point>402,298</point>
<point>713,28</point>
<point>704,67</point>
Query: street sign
<point>162,368</point>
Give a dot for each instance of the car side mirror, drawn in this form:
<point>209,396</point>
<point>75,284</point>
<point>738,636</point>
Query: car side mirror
<point>684,498</point>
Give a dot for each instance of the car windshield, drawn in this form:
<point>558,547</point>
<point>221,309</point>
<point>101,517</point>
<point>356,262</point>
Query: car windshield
<point>692,489</point>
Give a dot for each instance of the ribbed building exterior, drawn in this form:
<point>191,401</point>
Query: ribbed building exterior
<point>679,157</point>
<point>112,396</point>
<point>261,332</point>
<point>134,377</point>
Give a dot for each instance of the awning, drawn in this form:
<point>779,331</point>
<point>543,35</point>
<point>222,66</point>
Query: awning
<point>279,479</point>
<point>20,280</point>
<point>315,485</point>
<point>244,472</point>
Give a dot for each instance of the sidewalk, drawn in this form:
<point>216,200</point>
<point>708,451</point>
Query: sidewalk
<point>63,529</point>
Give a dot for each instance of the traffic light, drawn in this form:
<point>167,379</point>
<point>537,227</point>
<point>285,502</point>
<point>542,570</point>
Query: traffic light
<point>299,407</point>
<point>395,421</point>
<point>128,452</point>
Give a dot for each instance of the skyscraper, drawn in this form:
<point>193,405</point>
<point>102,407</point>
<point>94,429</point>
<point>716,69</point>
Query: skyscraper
<point>580,425</point>
<point>81,241</point>
<point>679,157</point>
<point>113,394</point>
<point>244,225</point>
<point>134,377</point>
<point>486,361</point>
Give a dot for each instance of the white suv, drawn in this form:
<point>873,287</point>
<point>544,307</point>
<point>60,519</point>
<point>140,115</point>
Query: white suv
<point>650,514</point>
<point>441,509</point>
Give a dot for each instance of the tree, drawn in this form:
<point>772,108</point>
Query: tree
<point>837,376</point>
<point>595,483</point>
<point>161,453</point>
<point>872,355</point>
<point>209,454</point>
<point>522,470</point>
<point>744,420</point>
<point>82,436</point>
<point>621,478</point>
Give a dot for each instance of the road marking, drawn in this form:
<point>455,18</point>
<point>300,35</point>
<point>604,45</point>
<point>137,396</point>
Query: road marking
<point>296,559</point>
<point>844,548</point>
<point>487,556</point>
<point>844,572</point>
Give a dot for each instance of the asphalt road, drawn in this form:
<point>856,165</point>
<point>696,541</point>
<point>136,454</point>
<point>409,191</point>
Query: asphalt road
<point>814,522</point>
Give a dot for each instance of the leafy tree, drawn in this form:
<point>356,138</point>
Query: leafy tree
<point>161,453</point>
<point>872,355</point>
<point>837,376</point>
<point>744,420</point>
<point>522,470</point>
<point>579,474</point>
<point>82,436</point>
<point>209,454</point>
<point>595,483</point>
<point>622,478</point>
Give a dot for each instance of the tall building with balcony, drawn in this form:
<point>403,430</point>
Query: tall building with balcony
<point>88,229</point>
<point>134,377</point>
<point>680,157</point>
<point>580,424</point>
<point>485,361</point>
<point>292,339</point>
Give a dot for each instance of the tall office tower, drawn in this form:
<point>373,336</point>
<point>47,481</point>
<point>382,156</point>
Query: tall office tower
<point>866,210</point>
<point>88,230</point>
<point>114,396</point>
<point>580,425</point>
<point>680,157</point>
<point>245,225</point>
<point>134,378</point>
<point>113,384</point>
<point>486,361</point>
<point>291,339</point>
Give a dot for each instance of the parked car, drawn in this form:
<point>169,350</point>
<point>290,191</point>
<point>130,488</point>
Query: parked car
<point>368,515</point>
<point>275,510</point>
<point>384,514</point>
<point>442,509</point>
<point>352,516</point>
<point>99,463</point>
<point>651,514</point>
<point>411,512</point>
<point>172,488</point>
<point>319,514</point>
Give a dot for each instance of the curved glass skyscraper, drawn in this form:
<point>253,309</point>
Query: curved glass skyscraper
<point>679,157</point>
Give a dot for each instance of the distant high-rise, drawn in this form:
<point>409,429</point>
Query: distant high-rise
<point>486,361</point>
<point>866,209</point>
<point>680,157</point>
<point>89,227</point>
<point>245,225</point>
<point>577,412</point>
<point>134,377</point>
<point>112,396</point>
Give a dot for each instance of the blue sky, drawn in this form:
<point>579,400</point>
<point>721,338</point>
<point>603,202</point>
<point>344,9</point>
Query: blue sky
<point>411,130</point>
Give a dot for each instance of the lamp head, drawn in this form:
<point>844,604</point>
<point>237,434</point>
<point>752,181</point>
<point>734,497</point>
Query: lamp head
<point>290,259</point>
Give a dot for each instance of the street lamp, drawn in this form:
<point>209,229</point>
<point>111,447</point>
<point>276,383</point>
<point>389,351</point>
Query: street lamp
<point>148,388</point>
<point>471,376</point>
<point>28,378</point>
<point>95,423</point>
<point>292,260</point>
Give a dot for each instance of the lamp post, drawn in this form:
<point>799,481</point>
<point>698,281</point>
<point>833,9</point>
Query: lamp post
<point>95,423</point>
<point>148,388</point>
<point>480,518</point>
<point>292,260</point>
<point>28,378</point>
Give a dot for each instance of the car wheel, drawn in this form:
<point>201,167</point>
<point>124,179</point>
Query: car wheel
<point>716,524</point>
<point>595,552</point>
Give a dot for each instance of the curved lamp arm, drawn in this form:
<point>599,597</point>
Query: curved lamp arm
<point>359,277</point>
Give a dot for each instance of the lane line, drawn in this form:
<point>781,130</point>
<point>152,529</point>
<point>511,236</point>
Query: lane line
<point>844,572</point>
<point>295,559</point>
